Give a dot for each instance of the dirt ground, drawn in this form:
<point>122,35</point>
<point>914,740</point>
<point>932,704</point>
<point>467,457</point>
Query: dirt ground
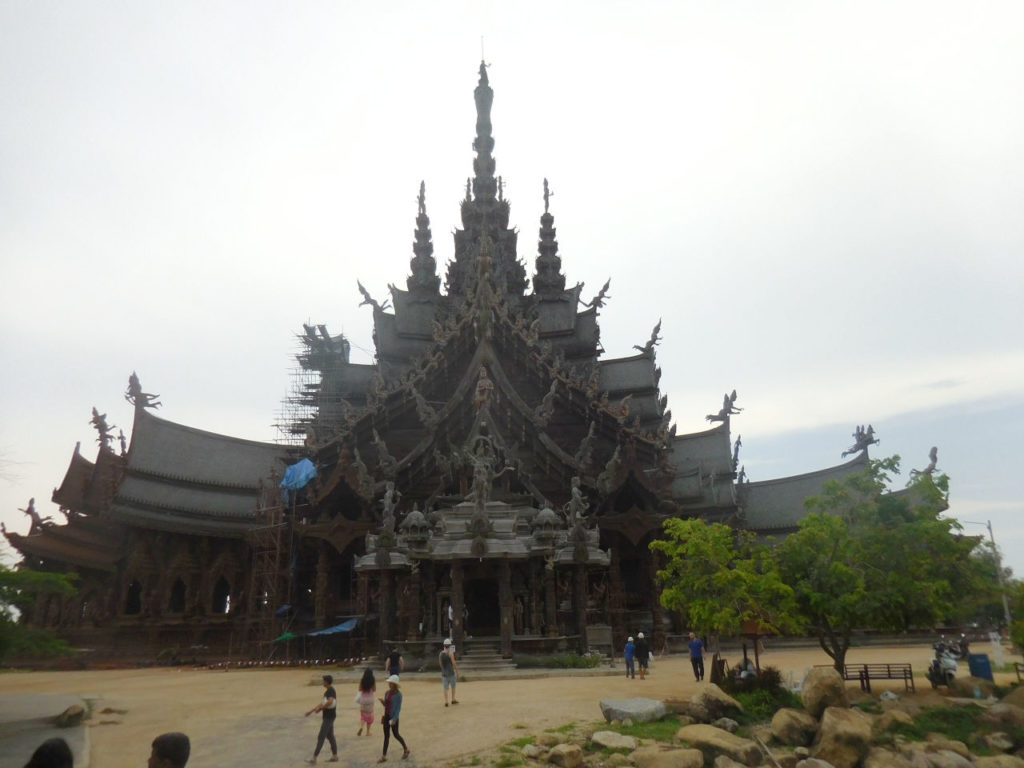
<point>255,717</point>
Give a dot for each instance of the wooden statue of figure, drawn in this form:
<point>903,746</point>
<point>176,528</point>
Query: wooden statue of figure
<point>728,408</point>
<point>137,397</point>
<point>99,420</point>
<point>484,389</point>
<point>933,455</point>
<point>862,438</point>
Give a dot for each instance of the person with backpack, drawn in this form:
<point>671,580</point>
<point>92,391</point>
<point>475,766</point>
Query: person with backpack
<point>449,670</point>
<point>643,654</point>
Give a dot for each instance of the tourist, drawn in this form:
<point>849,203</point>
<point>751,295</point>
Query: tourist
<point>364,698</point>
<point>392,702</point>
<point>449,670</point>
<point>394,664</point>
<point>329,706</point>
<point>697,656</point>
<point>52,753</point>
<point>170,750</point>
<point>643,654</point>
<point>629,654</point>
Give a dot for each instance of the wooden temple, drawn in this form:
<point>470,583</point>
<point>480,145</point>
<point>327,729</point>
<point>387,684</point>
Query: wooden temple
<point>490,474</point>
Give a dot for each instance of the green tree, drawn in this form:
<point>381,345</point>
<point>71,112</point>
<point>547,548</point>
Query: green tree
<point>718,579</point>
<point>19,591</point>
<point>865,557</point>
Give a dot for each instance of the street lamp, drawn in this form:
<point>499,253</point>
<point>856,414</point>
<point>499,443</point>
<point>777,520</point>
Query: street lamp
<point>999,568</point>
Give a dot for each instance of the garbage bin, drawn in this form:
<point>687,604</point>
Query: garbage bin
<point>980,666</point>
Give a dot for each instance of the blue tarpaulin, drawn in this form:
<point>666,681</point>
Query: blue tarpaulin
<point>345,626</point>
<point>297,476</point>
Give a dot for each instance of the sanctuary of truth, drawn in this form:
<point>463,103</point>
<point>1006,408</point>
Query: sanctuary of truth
<point>490,474</point>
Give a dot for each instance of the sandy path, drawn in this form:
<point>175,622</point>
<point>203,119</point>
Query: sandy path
<point>255,717</point>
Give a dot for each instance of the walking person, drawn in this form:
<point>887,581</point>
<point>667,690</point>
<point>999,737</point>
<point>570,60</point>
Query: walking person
<point>449,670</point>
<point>697,656</point>
<point>392,702</point>
<point>365,700</point>
<point>329,706</point>
<point>394,664</point>
<point>629,654</point>
<point>643,654</point>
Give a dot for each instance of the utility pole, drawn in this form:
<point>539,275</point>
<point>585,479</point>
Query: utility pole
<point>999,570</point>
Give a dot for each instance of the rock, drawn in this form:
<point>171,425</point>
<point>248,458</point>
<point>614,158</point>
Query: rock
<point>787,760</point>
<point>617,760</point>
<point>823,687</point>
<point>997,741</point>
<point>547,740</point>
<point>726,724</point>
<point>713,742</point>
<point>972,687</point>
<point>814,762</point>
<point>566,755</point>
<point>844,737</point>
<point>937,742</point>
<point>886,721</point>
<point>534,752</point>
<point>885,758</point>
<point>793,727</point>
<point>726,762</point>
<point>888,696</point>
<point>948,759</point>
<point>659,756</point>
<point>677,706</point>
<point>70,717</point>
<point>639,710</point>
<point>716,702</point>
<point>686,720</point>
<point>1005,716</point>
<point>1015,696</point>
<point>914,757</point>
<point>998,761</point>
<point>613,740</point>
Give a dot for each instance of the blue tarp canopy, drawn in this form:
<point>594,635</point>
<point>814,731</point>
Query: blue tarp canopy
<point>345,626</point>
<point>297,476</point>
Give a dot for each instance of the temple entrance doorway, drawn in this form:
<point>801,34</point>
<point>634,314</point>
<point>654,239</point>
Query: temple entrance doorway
<point>483,616</point>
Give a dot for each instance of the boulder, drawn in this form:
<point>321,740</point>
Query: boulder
<point>1015,696</point>
<point>822,688</point>
<point>997,741</point>
<point>659,756</point>
<point>726,724</point>
<point>844,737</point>
<point>814,762</point>
<point>886,721</point>
<point>716,702</point>
<point>937,742</point>
<point>727,762</point>
<point>948,759</point>
<point>916,758</point>
<point>685,720</point>
<point>713,742</point>
<point>793,727</point>
<point>534,752</point>
<point>617,760</point>
<point>1004,716</point>
<point>998,761</point>
<point>972,687</point>
<point>639,710</point>
<point>566,755</point>
<point>613,740</point>
<point>547,740</point>
<point>72,716</point>
<point>884,758</point>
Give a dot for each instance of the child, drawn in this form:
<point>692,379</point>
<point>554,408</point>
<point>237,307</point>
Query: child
<point>364,698</point>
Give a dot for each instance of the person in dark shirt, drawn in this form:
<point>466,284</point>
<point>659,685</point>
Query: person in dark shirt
<point>643,654</point>
<point>329,706</point>
<point>697,656</point>
<point>395,664</point>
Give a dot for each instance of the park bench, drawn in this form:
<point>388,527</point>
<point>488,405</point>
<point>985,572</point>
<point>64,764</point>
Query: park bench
<point>865,673</point>
<point>1019,668</point>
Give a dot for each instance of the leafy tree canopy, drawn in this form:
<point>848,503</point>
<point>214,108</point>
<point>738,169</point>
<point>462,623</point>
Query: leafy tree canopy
<point>18,592</point>
<point>866,557</point>
<point>719,579</point>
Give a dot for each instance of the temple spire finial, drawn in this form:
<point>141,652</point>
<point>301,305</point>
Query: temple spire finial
<point>424,278</point>
<point>484,183</point>
<point>548,280</point>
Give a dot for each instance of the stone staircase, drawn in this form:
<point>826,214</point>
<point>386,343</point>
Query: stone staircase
<point>483,655</point>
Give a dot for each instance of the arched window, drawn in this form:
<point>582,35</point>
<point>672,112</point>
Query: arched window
<point>221,596</point>
<point>176,604</point>
<point>133,600</point>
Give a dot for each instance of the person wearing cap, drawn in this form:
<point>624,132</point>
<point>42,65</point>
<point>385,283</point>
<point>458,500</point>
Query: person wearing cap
<point>643,654</point>
<point>449,670</point>
<point>392,702</point>
<point>697,656</point>
<point>629,654</point>
<point>329,706</point>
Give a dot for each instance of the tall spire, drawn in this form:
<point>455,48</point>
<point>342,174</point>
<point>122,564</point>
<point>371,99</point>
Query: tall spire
<point>484,184</point>
<point>424,267</point>
<point>548,281</point>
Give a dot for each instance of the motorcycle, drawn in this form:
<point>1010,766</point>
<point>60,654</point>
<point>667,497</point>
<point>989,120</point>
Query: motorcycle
<point>944,664</point>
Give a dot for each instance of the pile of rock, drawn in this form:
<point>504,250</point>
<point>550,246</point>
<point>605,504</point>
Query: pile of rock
<point>827,733</point>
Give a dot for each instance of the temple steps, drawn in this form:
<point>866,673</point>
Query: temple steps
<point>483,655</point>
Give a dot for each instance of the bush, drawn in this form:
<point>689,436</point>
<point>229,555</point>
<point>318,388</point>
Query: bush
<point>1017,635</point>
<point>770,679</point>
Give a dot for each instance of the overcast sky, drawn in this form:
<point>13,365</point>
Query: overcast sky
<point>822,202</point>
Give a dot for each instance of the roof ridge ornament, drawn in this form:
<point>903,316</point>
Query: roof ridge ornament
<point>862,438</point>
<point>728,408</point>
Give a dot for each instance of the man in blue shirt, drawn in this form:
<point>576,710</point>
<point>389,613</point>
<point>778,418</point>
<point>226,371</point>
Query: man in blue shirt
<point>697,656</point>
<point>629,654</point>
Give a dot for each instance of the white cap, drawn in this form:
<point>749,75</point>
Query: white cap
<point>629,639</point>
<point>640,635</point>
<point>447,641</point>
<point>392,679</point>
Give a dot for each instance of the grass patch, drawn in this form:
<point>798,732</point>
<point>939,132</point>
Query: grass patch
<point>507,761</point>
<point>869,706</point>
<point>521,742</point>
<point>761,705</point>
<point>660,730</point>
<point>567,728</point>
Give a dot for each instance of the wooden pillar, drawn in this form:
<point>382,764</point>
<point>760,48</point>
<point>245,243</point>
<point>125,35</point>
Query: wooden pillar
<point>550,601</point>
<point>320,590</point>
<point>505,607</point>
<point>415,603</point>
<point>580,605</point>
<point>429,601</point>
<point>458,604</point>
<point>617,600</point>
<point>657,610</point>
<point>536,602</point>
<point>363,592</point>
<point>387,608</point>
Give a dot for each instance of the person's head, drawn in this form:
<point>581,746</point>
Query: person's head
<point>640,635</point>
<point>52,753</point>
<point>629,639</point>
<point>170,750</point>
<point>368,683</point>
<point>328,680</point>
<point>392,682</point>
<point>693,636</point>
<point>447,643</point>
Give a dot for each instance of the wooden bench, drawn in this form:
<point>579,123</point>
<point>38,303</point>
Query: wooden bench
<point>865,673</point>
